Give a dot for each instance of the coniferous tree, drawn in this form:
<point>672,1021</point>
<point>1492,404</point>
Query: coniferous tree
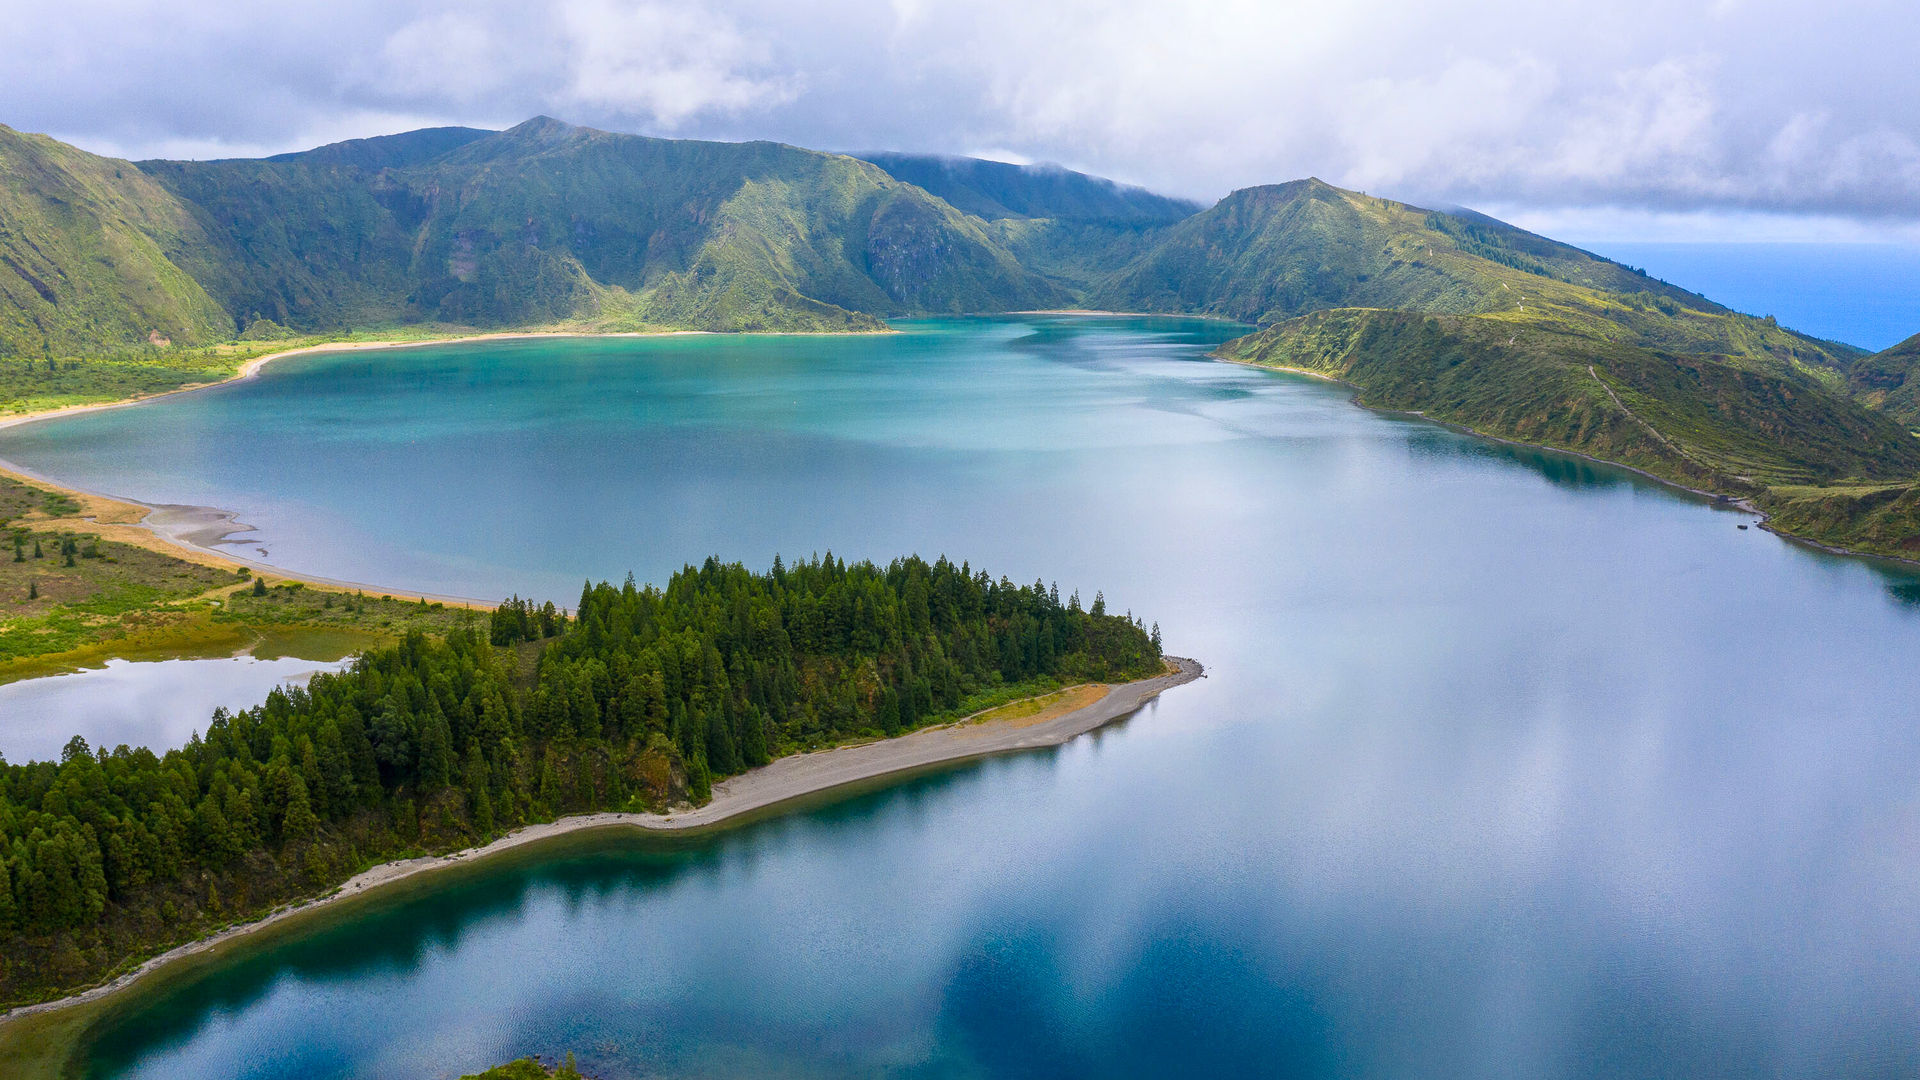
<point>643,694</point>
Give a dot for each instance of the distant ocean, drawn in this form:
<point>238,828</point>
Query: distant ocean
<point>1863,294</point>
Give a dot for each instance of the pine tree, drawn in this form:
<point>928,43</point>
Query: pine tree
<point>299,822</point>
<point>33,590</point>
<point>37,553</point>
<point>7,912</point>
<point>479,801</point>
<point>259,586</point>
<point>435,750</point>
<point>19,550</point>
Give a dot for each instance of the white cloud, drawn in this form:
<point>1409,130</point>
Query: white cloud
<point>670,63</point>
<point>1654,106</point>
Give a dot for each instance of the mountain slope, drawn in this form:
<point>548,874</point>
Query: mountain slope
<point>1268,253</point>
<point>549,222</point>
<point>1890,380</point>
<point>1688,417</point>
<point>87,254</point>
<point>1464,319</point>
<point>995,190</point>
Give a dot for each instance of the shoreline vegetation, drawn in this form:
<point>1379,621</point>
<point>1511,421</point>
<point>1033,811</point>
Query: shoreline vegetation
<point>1619,406</point>
<point>197,535</point>
<point>643,701</point>
<point>744,798</point>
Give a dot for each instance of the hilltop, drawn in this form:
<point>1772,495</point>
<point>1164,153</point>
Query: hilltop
<point>541,224</point>
<point>1470,321</point>
<point>145,271</point>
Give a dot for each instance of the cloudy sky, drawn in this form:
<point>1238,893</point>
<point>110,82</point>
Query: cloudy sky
<point>1779,118</point>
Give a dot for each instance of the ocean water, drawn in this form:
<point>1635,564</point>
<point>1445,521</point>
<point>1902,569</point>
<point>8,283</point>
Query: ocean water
<point>1866,295</point>
<point>1506,764</point>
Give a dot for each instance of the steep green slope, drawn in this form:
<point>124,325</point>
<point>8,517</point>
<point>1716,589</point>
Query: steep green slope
<point>1271,253</point>
<point>548,222</point>
<point>1691,417</point>
<point>1890,380</point>
<point>995,190</point>
<point>1829,468</point>
<point>87,255</point>
<point>1268,253</point>
<point>1071,228</point>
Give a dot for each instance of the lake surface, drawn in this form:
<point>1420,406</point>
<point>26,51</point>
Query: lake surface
<point>158,703</point>
<point>1507,765</point>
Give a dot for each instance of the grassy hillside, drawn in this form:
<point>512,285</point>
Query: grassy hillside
<point>88,249</point>
<point>1890,380</point>
<point>1271,253</point>
<point>1449,313</point>
<point>544,224</point>
<point>1819,460</point>
<point>548,222</point>
<point>996,190</point>
<point>1068,227</point>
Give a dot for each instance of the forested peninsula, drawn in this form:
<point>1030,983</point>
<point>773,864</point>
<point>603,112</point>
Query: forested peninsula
<point>640,700</point>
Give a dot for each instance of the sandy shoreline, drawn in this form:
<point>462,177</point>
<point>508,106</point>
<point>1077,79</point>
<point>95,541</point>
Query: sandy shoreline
<point>201,534</point>
<point>784,780</point>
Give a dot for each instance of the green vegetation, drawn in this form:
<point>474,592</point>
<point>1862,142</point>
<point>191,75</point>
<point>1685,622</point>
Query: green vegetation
<point>70,598</point>
<point>1825,467</point>
<point>445,230</point>
<point>543,225</point>
<point>529,1069</point>
<point>641,700</point>
<point>1890,380</point>
<point>86,255</point>
<point>995,191</point>
<point>1466,320</point>
<point>1692,418</point>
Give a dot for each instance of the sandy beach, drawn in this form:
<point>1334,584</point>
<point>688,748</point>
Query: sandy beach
<point>782,781</point>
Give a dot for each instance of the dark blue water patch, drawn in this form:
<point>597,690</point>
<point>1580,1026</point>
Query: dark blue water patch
<point>1866,295</point>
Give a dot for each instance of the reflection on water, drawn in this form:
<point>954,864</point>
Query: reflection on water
<point>158,704</point>
<point>1507,764</point>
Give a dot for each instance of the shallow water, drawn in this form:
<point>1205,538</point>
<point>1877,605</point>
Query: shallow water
<point>1507,765</point>
<point>137,703</point>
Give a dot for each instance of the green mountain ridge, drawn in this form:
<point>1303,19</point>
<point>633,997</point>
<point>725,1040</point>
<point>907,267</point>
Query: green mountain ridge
<point>1445,312</point>
<point>87,254</point>
<point>997,190</point>
<point>1890,380</point>
<point>547,222</point>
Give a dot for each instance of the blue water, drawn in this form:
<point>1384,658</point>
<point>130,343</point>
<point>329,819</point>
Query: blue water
<point>1866,295</point>
<point>1507,765</point>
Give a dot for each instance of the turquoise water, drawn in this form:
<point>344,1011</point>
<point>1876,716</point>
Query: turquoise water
<point>1507,765</point>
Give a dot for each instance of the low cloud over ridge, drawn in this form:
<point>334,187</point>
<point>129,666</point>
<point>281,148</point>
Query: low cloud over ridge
<point>1711,105</point>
